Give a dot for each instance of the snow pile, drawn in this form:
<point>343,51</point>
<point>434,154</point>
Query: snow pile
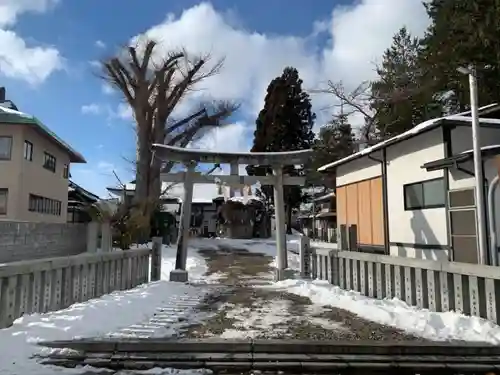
<point>396,313</point>
<point>96,317</point>
<point>195,264</point>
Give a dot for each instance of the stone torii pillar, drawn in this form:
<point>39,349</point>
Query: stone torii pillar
<point>279,216</point>
<point>179,273</point>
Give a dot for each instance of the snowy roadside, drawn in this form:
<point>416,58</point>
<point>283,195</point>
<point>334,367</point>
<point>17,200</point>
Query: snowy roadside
<point>395,313</point>
<point>115,314</point>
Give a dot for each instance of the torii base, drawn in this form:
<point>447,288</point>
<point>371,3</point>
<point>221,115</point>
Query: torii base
<point>179,276</point>
<point>286,274</point>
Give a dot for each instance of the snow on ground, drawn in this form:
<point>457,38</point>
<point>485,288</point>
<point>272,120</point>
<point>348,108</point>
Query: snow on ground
<point>271,317</point>
<point>396,313</point>
<point>124,308</point>
<point>92,318</point>
<point>97,317</point>
<point>391,312</point>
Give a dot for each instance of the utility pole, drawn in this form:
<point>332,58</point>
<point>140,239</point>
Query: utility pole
<point>478,164</point>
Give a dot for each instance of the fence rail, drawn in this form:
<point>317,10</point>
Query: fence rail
<point>39,286</point>
<point>435,285</point>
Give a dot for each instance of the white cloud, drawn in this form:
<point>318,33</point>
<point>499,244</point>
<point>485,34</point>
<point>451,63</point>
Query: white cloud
<point>100,44</point>
<point>124,112</point>
<point>107,89</point>
<point>17,59</point>
<point>11,9</point>
<point>230,138</point>
<point>95,63</point>
<point>358,35</point>
<point>91,109</point>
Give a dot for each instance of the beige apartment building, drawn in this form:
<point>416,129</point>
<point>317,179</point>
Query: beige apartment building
<point>34,168</point>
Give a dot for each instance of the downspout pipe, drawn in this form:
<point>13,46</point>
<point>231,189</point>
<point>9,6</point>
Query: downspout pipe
<point>492,222</point>
<point>383,164</point>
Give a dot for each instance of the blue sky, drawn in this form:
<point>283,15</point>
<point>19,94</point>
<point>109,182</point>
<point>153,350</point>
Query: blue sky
<point>59,41</point>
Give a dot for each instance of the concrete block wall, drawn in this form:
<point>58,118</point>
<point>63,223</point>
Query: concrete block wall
<point>27,241</point>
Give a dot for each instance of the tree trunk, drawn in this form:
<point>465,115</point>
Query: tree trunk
<point>142,167</point>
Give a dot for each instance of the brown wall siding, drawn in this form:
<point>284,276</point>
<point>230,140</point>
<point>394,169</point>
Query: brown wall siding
<point>364,213</point>
<point>352,204</point>
<point>361,204</point>
<point>377,211</point>
<point>341,196</point>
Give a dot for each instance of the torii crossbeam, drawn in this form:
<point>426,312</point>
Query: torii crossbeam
<point>191,157</point>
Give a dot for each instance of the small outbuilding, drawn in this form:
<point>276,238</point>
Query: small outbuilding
<point>413,195</point>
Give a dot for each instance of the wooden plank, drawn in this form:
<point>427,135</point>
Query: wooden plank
<point>341,196</point>
<point>352,205</point>
<point>364,213</point>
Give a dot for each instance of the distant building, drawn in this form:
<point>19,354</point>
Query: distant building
<point>34,165</point>
<point>203,210</point>
<point>79,200</point>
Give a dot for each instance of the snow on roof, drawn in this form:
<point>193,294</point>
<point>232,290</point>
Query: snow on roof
<point>426,125</point>
<point>11,116</point>
<point>323,197</point>
<point>245,199</point>
<point>202,193</point>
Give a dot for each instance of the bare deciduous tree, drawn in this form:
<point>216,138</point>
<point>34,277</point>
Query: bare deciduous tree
<point>153,90</point>
<point>360,102</point>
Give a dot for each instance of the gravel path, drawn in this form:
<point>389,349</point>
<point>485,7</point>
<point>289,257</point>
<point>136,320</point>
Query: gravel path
<point>243,311</point>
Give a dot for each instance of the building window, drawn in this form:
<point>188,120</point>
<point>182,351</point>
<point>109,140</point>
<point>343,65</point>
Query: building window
<point>5,148</point>
<point>44,205</point>
<point>49,162</point>
<point>4,197</point>
<point>28,150</point>
<point>66,171</point>
<point>425,194</point>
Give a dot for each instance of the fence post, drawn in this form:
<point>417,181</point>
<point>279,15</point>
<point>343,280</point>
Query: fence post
<point>304,246</point>
<point>92,233</point>
<point>156,259</point>
<point>106,237</point>
<point>352,238</point>
<point>342,241</point>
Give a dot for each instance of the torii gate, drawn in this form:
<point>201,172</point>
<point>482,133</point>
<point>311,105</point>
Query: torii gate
<point>191,157</point>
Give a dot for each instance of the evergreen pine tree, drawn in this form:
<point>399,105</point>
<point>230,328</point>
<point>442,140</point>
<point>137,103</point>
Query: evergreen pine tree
<point>284,124</point>
<point>463,32</point>
<point>335,141</point>
<point>401,96</point>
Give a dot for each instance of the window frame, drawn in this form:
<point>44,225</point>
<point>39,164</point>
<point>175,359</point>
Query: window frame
<point>9,137</point>
<point>44,205</point>
<point>422,184</point>
<point>47,156</point>
<point>5,192</point>
<point>28,146</point>
<point>66,171</point>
